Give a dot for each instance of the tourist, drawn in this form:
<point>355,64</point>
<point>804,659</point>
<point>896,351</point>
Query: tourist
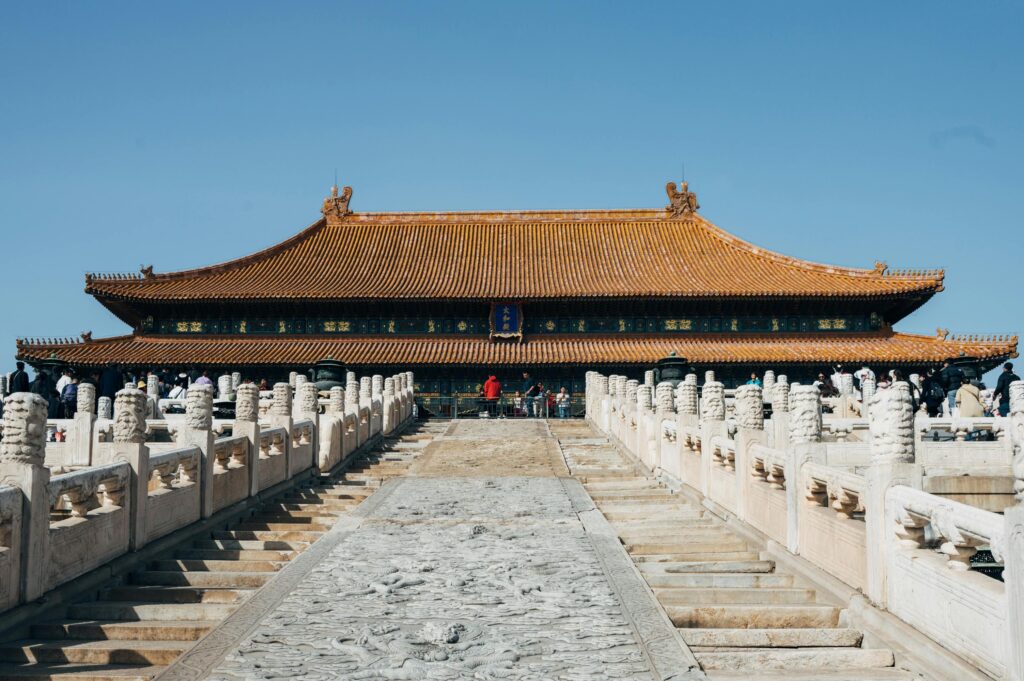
<point>65,378</point>
<point>517,404</point>
<point>178,392</point>
<point>819,383</point>
<point>933,393</point>
<point>1001,396</point>
<point>537,399</point>
<point>987,399</point>
<point>203,379</point>
<point>69,398</point>
<point>44,386</point>
<point>491,394</point>
<point>862,373</point>
<point>264,386</point>
<point>564,401</point>
<point>968,400</point>
<point>951,377</point>
<point>754,380</point>
<point>19,379</point>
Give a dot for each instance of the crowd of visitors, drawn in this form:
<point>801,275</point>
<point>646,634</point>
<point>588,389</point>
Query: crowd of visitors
<point>531,399</point>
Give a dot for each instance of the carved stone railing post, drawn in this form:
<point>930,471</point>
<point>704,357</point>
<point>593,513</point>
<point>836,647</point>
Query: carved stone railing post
<point>410,388</point>
<point>224,391</point>
<point>197,431</point>
<point>665,400</point>
<point>749,431</point>
<point>388,410</point>
<point>129,445</point>
<point>768,385</point>
<point>376,404</point>
<point>649,377</point>
<point>867,392</point>
<point>712,425</point>
<point>780,413</point>
<point>1013,558</point>
<point>81,429</point>
<point>236,381</point>
<point>22,453</point>
<point>804,444</point>
<point>105,408</point>
<point>247,423</point>
<point>153,397</point>
<point>281,417</point>
<point>892,463</point>
<point>307,407</point>
<point>688,400</point>
<point>365,408</point>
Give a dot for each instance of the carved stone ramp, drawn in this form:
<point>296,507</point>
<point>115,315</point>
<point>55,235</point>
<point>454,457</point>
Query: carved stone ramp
<point>742,618</point>
<point>506,572</point>
<point>135,627</point>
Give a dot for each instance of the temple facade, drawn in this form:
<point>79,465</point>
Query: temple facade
<point>458,296</point>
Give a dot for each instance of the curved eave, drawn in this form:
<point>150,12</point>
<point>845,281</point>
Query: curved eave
<point>555,350</point>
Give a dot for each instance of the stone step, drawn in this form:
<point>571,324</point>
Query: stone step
<point>754,616</point>
<point>280,527</point>
<point>771,638</point>
<point>315,521</point>
<point>778,659</point>
<point>249,580</point>
<point>714,580</point>
<point>153,612</point>
<point>251,545</point>
<point>658,523</point>
<point>342,500</point>
<point>233,554</point>
<point>692,546</point>
<point>301,510</point>
<point>637,534</point>
<point>78,672</point>
<point>734,596</point>
<point>664,515</point>
<point>696,555</point>
<point>181,630</point>
<point>691,567</point>
<point>217,565</point>
<point>303,536</point>
<point>94,652</point>
<point>876,674</point>
<point>173,594</point>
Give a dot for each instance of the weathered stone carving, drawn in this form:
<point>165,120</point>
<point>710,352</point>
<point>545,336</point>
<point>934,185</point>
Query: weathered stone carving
<point>153,386</point>
<point>199,407</point>
<point>104,408</point>
<point>389,387</point>
<point>643,397</point>
<point>892,425</point>
<point>681,201</point>
<point>292,377</point>
<point>365,388</point>
<point>613,385</point>
<point>649,377</point>
<point>336,403</point>
<point>130,416</point>
<point>709,376</point>
<point>602,385</point>
<point>247,403</point>
<point>750,407</point>
<point>631,387</point>
<point>377,385</point>
<point>780,396</point>
<point>867,391</point>
<point>410,382</point>
<point>666,405</point>
<point>846,384</point>
<point>1017,433</point>
<point>336,205</point>
<point>282,405</point>
<point>224,387</point>
<point>713,401</point>
<point>308,398</point>
<point>769,384</point>
<point>804,413</point>
<point>688,396</point>
<point>86,398</point>
<point>24,429</point>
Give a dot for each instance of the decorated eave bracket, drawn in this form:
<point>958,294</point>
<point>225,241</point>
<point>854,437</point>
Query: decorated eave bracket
<point>336,205</point>
<point>681,201</point>
<point>506,321</point>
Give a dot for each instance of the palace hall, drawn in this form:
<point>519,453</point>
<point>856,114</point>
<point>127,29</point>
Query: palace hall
<point>458,296</point>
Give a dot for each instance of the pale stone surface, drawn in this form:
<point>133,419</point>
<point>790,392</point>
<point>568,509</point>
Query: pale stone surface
<point>456,578</point>
<point>24,439</point>
<point>643,397</point>
<point>804,413</point>
<point>247,403</point>
<point>749,407</point>
<point>86,398</point>
<point>104,408</point>
<point>282,400</point>
<point>336,404</point>
<point>199,407</point>
<point>892,424</point>
<point>713,401</point>
<point>130,416</point>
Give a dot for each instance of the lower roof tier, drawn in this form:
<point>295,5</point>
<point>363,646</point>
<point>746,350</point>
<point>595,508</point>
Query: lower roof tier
<point>586,351</point>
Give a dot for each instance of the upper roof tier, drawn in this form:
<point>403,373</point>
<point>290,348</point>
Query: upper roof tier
<point>513,255</point>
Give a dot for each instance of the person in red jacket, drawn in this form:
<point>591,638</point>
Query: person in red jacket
<point>492,392</point>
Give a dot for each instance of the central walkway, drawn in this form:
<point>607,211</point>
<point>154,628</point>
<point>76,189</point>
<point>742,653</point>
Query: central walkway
<point>481,563</point>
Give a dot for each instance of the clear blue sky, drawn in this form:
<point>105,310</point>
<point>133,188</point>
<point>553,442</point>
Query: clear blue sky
<point>183,134</point>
